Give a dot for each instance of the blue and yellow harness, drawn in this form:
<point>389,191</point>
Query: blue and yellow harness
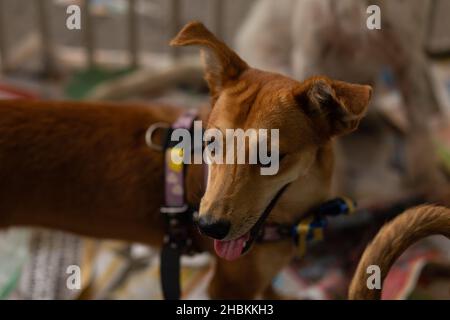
<point>310,228</point>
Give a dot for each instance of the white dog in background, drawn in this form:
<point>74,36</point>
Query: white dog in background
<point>329,37</point>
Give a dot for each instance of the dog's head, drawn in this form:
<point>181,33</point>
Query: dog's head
<point>307,114</point>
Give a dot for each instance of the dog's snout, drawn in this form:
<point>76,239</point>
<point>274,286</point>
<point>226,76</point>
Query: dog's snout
<point>217,229</point>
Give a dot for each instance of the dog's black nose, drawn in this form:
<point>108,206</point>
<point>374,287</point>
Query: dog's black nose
<point>217,229</point>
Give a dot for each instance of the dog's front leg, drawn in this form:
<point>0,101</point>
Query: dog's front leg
<point>249,276</point>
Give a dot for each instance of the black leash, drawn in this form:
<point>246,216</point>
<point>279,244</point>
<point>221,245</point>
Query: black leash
<point>170,272</point>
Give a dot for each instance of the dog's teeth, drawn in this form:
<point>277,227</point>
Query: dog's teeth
<point>243,244</point>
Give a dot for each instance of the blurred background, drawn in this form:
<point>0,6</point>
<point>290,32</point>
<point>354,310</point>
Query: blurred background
<point>399,157</point>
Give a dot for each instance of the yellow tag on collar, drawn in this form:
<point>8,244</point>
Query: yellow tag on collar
<point>303,229</point>
<point>175,159</point>
<point>350,205</point>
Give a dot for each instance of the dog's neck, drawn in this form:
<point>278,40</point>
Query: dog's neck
<point>308,191</point>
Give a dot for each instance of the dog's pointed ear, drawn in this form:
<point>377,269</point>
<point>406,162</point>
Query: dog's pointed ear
<point>336,107</point>
<point>221,63</point>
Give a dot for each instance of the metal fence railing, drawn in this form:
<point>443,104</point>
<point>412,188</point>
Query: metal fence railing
<point>47,43</point>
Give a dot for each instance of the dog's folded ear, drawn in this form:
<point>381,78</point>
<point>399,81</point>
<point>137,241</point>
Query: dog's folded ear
<point>336,107</point>
<point>221,63</point>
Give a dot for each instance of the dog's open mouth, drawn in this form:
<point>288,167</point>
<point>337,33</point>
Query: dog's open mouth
<point>233,249</point>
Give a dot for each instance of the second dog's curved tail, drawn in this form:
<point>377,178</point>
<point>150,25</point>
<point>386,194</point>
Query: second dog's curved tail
<point>393,239</point>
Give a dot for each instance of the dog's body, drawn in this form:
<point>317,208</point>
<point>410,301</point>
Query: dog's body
<point>86,168</point>
<point>81,167</point>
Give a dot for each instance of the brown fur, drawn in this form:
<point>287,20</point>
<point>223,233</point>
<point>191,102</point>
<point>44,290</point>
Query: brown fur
<point>81,167</point>
<point>393,239</point>
<point>86,168</point>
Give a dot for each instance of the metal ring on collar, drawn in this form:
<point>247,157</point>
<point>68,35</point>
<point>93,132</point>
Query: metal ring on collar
<point>149,135</point>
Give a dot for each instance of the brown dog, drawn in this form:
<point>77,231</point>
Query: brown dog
<point>86,168</point>
<point>393,239</point>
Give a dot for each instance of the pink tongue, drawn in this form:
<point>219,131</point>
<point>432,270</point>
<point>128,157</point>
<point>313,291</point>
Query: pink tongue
<point>230,250</point>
